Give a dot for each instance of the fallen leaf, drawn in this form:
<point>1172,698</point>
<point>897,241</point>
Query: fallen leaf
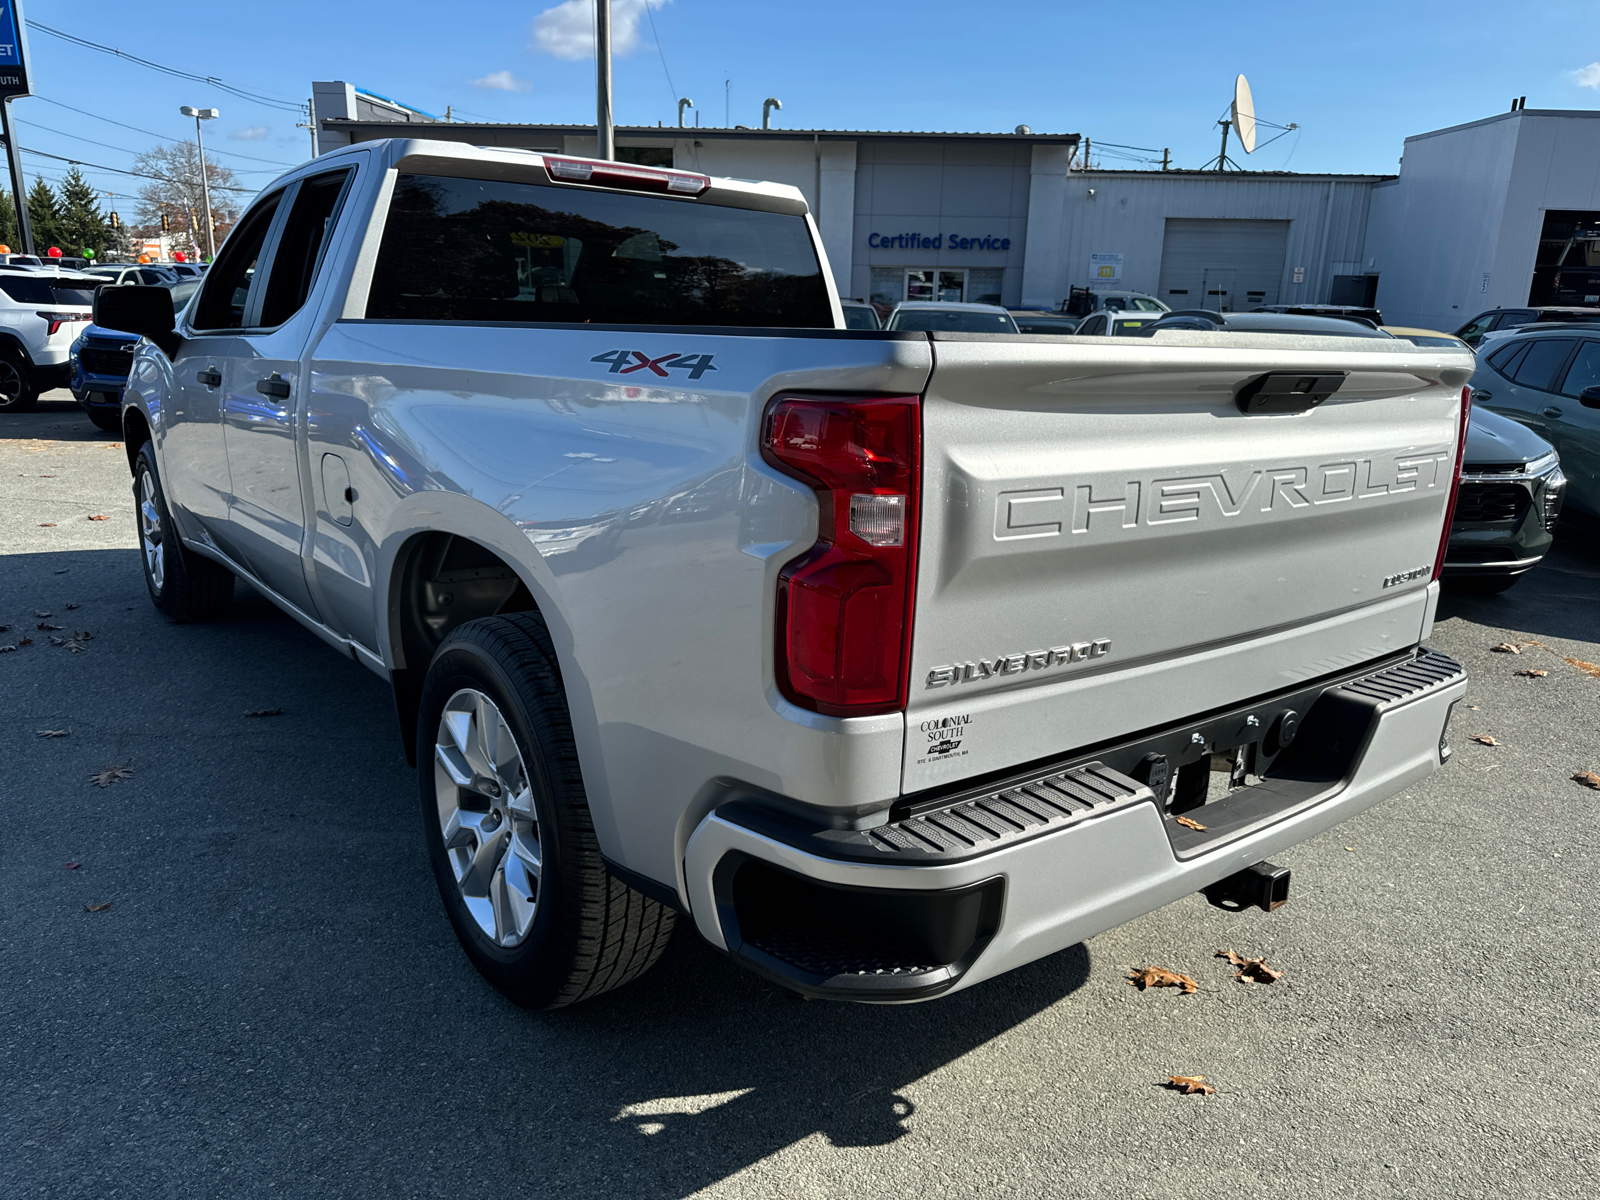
<point>1149,977</point>
<point>1188,823</point>
<point>47,524</point>
<point>25,642</point>
<point>70,607</point>
<point>97,907</point>
<point>73,866</point>
<point>41,613</point>
<point>1252,968</point>
<point>3,628</point>
<point>1588,779</point>
<point>8,649</point>
<point>1588,668</point>
<point>1190,1085</point>
<point>45,625</point>
<point>100,517</point>
<point>83,635</point>
<point>264,712</point>
<point>1351,849</point>
<point>1506,648</point>
<point>1485,739</point>
<point>53,733</point>
<point>1534,674</point>
<point>110,775</point>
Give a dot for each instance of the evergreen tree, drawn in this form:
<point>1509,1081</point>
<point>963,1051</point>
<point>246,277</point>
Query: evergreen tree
<point>9,234</point>
<point>44,213</point>
<point>81,224</point>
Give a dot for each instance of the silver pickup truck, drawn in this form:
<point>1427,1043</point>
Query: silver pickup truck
<point>890,660</point>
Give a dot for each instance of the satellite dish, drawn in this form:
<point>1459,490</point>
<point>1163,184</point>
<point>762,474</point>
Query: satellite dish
<point>1244,114</point>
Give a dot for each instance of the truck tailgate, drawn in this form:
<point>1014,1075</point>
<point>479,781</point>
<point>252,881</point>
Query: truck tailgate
<point>1109,544</point>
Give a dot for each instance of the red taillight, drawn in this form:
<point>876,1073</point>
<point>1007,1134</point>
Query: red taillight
<point>55,320</point>
<point>1455,479</point>
<point>844,606</point>
<point>625,175</point>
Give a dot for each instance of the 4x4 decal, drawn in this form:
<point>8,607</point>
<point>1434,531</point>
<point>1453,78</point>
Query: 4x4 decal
<point>626,362</point>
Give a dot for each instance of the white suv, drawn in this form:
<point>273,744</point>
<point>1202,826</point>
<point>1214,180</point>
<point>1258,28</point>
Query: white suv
<point>40,315</point>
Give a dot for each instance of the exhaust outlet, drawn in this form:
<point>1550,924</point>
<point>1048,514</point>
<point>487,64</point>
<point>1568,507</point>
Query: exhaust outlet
<point>1264,886</point>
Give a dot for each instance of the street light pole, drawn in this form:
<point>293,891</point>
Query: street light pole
<point>204,114</point>
<point>602,63</point>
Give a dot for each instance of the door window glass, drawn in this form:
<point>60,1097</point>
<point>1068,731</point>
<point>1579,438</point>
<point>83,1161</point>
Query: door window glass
<point>1541,361</point>
<point>1584,371</point>
<point>301,246</point>
<point>1477,328</point>
<point>1515,316</point>
<point>1506,358</point>
<point>230,282</point>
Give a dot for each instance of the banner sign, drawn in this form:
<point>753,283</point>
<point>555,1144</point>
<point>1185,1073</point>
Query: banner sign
<point>13,51</point>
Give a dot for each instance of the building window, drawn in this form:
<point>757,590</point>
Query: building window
<point>645,156</point>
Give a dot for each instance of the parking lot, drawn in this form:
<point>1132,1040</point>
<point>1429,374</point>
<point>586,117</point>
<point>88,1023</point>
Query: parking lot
<point>273,1002</point>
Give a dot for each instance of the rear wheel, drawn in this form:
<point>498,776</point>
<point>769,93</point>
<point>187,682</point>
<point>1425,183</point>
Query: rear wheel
<point>507,824</point>
<point>17,390</point>
<point>108,419</point>
<point>184,585</point>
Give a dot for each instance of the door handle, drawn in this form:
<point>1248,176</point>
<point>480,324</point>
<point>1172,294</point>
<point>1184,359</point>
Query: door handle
<point>209,378</point>
<point>277,387</point>
<point>1479,395</point>
<point>1552,412</point>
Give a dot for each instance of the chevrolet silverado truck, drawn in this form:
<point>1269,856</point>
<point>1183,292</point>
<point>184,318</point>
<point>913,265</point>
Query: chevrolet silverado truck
<point>891,660</point>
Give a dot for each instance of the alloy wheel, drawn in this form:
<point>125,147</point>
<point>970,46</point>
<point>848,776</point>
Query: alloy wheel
<point>11,382</point>
<point>487,818</point>
<point>150,533</point>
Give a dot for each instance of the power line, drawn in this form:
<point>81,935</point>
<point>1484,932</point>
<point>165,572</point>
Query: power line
<point>123,149</point>
<point>78,162</point>
<point>649,11</point>
<point>165,70</point>
<point>158,136</point>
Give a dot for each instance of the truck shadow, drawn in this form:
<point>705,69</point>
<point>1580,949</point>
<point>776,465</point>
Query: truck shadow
<point>1558,598</point>
<point>56,418</point>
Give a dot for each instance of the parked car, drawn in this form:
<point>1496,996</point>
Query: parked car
<point>1498,321</point>
<point>20,260</point>
<point>1080,302</point>
<point>1115,323</point>
<point>1355,312</point>
<point>1512,488</point>
<point>1260,322</point>
<point>948,316</point>
<point>40,315</point>
<point>1547,377</point>
<point>1033,320</point>
<point>134,273</point>
<point>186,270</point>
<point>100,358</point>
<point>858,314</point>
<point>1426,337</point>
<point>950,637</point>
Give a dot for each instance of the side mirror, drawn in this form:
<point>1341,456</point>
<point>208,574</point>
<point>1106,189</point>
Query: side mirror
<point>1589,397</point>
<point>138,308</point>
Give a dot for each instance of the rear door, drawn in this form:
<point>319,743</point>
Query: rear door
<point>1576,430</point>
<point>1530,375</point>
<point>265,387</point>
<point>1109,544</point>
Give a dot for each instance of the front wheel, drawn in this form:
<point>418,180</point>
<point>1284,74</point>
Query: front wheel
<point>184,585</point>
<point>508,829</point>
<point>17,390</point>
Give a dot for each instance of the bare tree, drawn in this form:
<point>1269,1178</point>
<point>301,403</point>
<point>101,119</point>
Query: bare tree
<point>176,192</point>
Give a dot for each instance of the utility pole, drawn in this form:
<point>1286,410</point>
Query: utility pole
<point>14,72</point>
<point>602,64</point>
<point>204,114</point>
<point>311,123</point>
<point>1166,158</point>
<point>19,186</point>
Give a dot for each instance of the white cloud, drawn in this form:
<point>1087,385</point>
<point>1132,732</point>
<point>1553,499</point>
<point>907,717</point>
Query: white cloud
<point>502,81</point>
<point>567,30</point>
<point>1588,77</point>
<point>255,133</point>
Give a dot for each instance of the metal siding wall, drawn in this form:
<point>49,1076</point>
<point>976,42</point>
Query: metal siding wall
<point>1129,211</point>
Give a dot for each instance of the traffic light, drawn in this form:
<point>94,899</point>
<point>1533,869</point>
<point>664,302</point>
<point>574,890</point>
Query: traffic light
<point>116,221</point>
<point>166,223</point>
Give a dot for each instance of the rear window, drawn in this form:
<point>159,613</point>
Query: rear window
<point>41,289</point>
<point>1422,339</point>
<point>859,316</point>
<point>930,319</point>
<point>481,250</point>
<point>1130,328</point>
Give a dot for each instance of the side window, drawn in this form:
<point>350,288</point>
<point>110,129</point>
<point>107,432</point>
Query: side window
<point>231,280</point>
<point>1515,316</point>
<point>1092,326</point>
<point>1478,327</point>
<point>1584,371</point>
<point>1505,359</point>
<point>1540,363</point>
<point>302,245</point>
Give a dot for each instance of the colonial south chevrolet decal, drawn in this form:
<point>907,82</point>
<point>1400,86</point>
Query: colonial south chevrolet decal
<point>626,362</point>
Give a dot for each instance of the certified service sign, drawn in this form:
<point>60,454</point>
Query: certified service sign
<point>13,51</point>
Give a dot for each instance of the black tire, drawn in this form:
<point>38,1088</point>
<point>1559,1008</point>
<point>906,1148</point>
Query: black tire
<point>108,419</point>
<point>589,932</point>
<point>18,392</point>
<point>1483,585</point>
<point>184,585</point>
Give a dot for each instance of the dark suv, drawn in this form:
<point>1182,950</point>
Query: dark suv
<point>1510,318</point>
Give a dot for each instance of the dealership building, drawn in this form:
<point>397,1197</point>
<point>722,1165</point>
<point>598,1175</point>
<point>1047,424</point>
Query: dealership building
<point>1493,213</point>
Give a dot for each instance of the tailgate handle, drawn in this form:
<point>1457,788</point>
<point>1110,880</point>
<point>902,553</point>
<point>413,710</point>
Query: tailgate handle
<point>1288,391</point>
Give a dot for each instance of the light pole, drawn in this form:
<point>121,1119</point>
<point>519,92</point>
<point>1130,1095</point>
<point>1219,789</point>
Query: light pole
<point>602,62</point>
<point>204,114</point>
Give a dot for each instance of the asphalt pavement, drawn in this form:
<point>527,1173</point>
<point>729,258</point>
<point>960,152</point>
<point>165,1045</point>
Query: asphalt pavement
<point>274,1005</point>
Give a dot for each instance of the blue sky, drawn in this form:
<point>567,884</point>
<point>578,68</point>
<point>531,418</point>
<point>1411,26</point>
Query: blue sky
<point>1356,76</point>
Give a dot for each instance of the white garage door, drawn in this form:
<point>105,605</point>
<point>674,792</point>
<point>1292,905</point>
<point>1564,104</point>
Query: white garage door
<point>1223,265</point>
